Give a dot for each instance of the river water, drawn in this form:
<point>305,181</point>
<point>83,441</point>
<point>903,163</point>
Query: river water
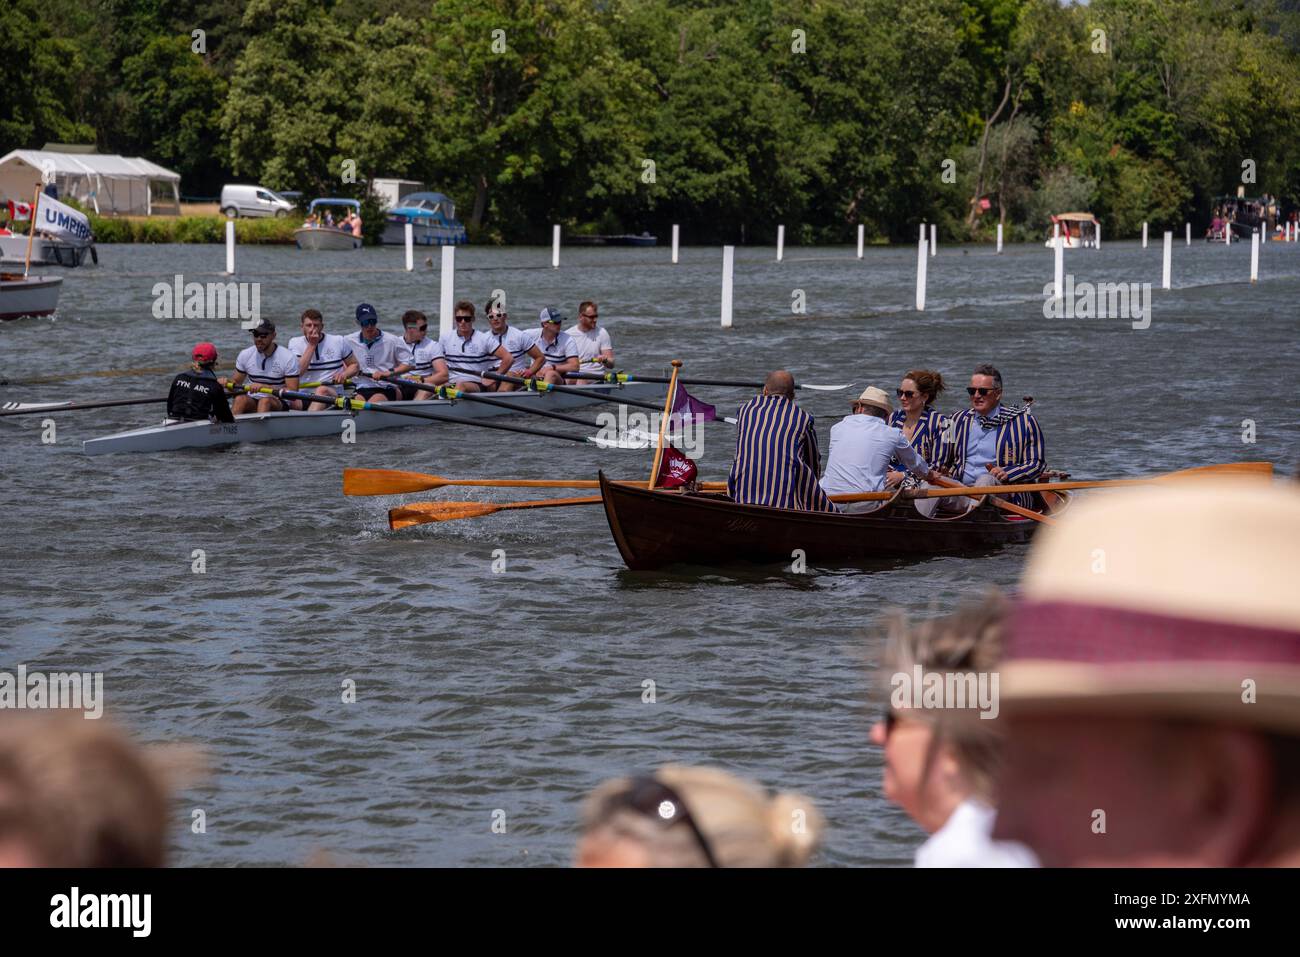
<point>518,691</point>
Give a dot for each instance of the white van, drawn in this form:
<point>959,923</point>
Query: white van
<point>253,201</point>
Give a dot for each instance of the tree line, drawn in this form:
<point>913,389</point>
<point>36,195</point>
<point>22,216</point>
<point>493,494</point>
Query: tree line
<point>725,117</point>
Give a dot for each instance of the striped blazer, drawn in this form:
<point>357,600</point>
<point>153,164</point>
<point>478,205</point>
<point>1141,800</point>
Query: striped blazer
<point>777,460</point>
<point>1020,447</point>
<point>928,440</point>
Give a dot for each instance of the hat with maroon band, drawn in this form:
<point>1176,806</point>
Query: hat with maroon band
<point>1175,601</point>
<point>204,352</point>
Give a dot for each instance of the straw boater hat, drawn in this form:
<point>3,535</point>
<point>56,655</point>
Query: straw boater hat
<point>873,396</point>
<point>1171,601</point>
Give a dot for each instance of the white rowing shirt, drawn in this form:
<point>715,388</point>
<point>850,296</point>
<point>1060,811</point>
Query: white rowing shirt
<point>517,343</point>
<point>379,355</point>
<point>555,353</point>
<point>263,370</point>
<point>474,354</point>
<point>590,345</point>
<point>330,356</point>
<point>420,355</point>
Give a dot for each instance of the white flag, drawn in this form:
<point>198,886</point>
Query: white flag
<point>59,219</point>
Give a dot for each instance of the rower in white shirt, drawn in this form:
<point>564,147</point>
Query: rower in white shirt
<point>521,345</point>
<point>323,358</point>
<point>379,355</point>
<point>559,351</point>
<point>595,350</point>
<point>264,364</point>
<point>423,354</point>
<point>862,446</point>
<point>470,353</point>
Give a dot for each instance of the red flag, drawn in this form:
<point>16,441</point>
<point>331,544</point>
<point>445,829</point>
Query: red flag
<point>675,470</point>
<point>19,211</point>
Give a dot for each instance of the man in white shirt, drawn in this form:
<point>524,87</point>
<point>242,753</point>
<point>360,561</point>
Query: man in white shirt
<point>322,358</point>
<point>559,351</point>
<point>520,344</point>
<point>862,446</point>
<point>264,364</point>
<point>379,356</point>
<point>422,354</point>
<point>470,353</point>
<point>595,351</point>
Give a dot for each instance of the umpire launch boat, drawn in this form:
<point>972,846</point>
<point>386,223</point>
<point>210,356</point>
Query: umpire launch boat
<point>28,295</point>
<point>273,426</point>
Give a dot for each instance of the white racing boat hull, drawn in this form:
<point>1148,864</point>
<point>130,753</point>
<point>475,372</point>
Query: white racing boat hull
<point>33,296</point>
<point>273,426</point>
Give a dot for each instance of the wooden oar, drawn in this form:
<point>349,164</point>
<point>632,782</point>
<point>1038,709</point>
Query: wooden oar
<point>999,502</point>
<point>540,386</point>
<point>396,482</point>
<point>663,425</point>
<point>421,513</point>
<point>624,377</point>
<point>77,407</point>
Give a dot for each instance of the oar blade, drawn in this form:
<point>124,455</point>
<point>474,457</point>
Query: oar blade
<point>1226,469</point>
<point>387,482</point>
<point>422,513</point>
<point>825,388</point>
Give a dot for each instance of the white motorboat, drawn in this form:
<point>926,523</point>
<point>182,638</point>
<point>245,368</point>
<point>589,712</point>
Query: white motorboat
<point>1078,230</point>
<point>46,251</point>
<point>22,296</point>
<point>316,235</point>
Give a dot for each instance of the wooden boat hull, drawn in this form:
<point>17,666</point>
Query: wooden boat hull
<point>322,238</point>
<point>655,529</point>
<point>274,426</point>
<point>33,296</point>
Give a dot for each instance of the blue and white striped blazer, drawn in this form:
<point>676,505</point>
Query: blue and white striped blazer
<point>927,440</point>
<point>777,461</point>
<point>1021,451</point>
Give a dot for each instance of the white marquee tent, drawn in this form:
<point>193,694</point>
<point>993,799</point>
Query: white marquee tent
<point>107,184</point>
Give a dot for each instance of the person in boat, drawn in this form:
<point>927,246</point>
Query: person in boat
<point>470,352</point>
<point>595,350</point>
<point>940,762</point>
<point>917,418</point>
<point>423,354</point>
<point>993,444</point>
<point>527,358</point>
<point>379,355</point>
<point>265,365</point>
<point>862,447</point>
<point>559,351</point>
<point>328,219</point>
<point>1165,692</point>
<point>322,358</point>
<point>354,223</point>
<point>197,394</point>
<point>777,460</point>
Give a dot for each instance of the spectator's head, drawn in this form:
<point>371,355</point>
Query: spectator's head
<point>779,382</point>
<point>695,817</point>
<point>1151,681</point>
<point>927,383</point>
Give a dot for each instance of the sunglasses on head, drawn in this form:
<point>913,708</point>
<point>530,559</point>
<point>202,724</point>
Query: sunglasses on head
<point>654,799</point>
<point>972,390</point>
<point>904,393</point>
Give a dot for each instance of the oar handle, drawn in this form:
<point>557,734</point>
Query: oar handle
<point>540,385</point>
<point>451,393</point>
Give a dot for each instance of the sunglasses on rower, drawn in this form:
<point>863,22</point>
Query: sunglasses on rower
<point>464,318</point>
<point>423,328</point>
<point>972,390</point>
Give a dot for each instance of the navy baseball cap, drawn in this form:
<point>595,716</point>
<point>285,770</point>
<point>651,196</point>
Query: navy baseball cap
<point>551,314</point>
<point>366,313</point>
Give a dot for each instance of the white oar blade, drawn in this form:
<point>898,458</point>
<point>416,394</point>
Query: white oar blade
<point>825,388</point>
<point>633,439</point>
<point>16,406</point>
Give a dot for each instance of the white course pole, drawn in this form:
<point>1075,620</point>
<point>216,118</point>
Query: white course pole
<point>862,236</point>
<point>230,247</point>
<point>410,246</point>
<point>1096,243</point>
<point>1189,233</point>
<point>1169,259</point>
<point>780,243</point>
<point>1254,255</point>
<point>920,272</point>
<point>1227,234</point>
<point>999,237</point>
<point>1144,235</point>
<point>934,241</point>
<point>676,236</point>
<point>1058,271</point>
<point>555,246</point>
<point>448,290</point>
<point>728,264</point>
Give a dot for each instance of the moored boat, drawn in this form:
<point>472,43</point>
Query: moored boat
<point>317,236</point>
<point>433,221</point>
<point>1078,230</point>
<point>28,295</point>
<point>273,426</point>
<point>626,239</point>
<point>46,251</point>
<point>657,528</point>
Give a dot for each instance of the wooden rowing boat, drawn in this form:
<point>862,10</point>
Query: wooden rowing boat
<point>657,528</point>
<point>274,426</point>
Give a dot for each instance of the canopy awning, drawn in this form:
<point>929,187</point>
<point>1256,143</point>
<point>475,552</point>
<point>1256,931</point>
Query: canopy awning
<point>106,183</point>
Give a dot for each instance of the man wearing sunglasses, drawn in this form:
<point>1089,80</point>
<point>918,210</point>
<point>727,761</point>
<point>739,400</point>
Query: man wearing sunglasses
<point>520,344</point>
<point>595,350</point>
<point>264,364</point>
<point>379,356</point>
<point>470,352</point>
<point>422,354</point>
<point>992,444</point>
<point>322,358</point>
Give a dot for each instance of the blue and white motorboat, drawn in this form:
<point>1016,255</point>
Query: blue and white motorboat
<point>433,221</point>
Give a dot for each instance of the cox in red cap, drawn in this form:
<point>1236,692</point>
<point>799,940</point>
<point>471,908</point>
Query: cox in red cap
<point>204,353</point>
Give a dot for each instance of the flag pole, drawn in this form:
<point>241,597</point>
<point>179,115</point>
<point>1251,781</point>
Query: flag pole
<point>31,231</point>
<point>663,423</point>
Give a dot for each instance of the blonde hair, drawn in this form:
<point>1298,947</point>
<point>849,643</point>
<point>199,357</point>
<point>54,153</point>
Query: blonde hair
<point>968,640</point>
<point>744,826</point>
